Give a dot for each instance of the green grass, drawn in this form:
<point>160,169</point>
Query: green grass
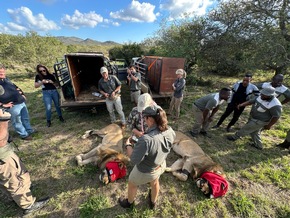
<point>259,180</point>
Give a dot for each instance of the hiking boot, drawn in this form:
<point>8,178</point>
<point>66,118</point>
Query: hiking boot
<point>284,144</point>
<point>215,126</point>
<point>151,204</point>
<point>125,203</point>
<point>61,119</point>
<point>204,133</point>
<point>36,206</point>
<point>48,123</point>
<point>193,134</point>
<point>231,138</point>
<point>256,146</point>
<point>27,138</point>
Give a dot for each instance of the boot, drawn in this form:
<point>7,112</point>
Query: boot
<point>125,203</point>
<point>284,144</point>
<point>36,206</point>
<point>61,119</point>
<point>48,123</point>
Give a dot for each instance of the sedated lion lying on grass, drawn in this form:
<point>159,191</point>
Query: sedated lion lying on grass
<point>209,175</point>
<point>108,154</point>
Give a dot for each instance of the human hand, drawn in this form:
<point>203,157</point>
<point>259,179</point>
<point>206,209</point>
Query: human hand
<point>8,105</point>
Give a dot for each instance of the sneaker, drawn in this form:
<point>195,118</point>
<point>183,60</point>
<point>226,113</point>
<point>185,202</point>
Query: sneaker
<point>228,129</point>
<point>61,119</point>
<point>151,204</point>
<point>27,138</point>
<point>36,206</point>
<point>125,203</point>
<point>48,123</point>
<point>256,146</point>
<point>215,126</point>
<point>231,138</point>
<point>193,134</point>
<point>284,144</point>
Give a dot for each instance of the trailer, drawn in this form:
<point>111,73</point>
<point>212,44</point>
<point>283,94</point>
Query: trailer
<point>158,74</point>
<point>78,75</point>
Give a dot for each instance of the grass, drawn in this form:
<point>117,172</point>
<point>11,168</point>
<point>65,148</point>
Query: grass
<point>259,180</point>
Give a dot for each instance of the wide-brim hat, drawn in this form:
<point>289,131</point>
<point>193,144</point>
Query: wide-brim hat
<point>268,91</point>
<point>144,101</point>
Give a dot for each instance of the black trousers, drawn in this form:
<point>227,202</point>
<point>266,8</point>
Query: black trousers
<point>237,113</point>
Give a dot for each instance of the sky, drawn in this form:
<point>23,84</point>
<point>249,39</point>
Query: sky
<point>122,21</point>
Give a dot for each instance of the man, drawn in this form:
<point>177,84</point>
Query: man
<point>280,89</point>
<point>205,108</point>
<point>110,86</point>
<point>12,98</point>
<point>242,90</point>
<point>14,177</point>
<point>265,112</point>
<point>286,143</point>
<point>134,79</point>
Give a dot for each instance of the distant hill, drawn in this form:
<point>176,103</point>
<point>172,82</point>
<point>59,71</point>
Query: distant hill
<point>78,41</point>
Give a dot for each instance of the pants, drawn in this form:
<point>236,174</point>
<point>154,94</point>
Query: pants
<point>253,128</point>
<point>48,97</point>
<point>175,104</point>
<point>288,136</point>
<point>20,120</point>
<point>15,181</point>
<point>119,108</point>
<point>199,124</point>
<point>135,96</point>
<point>237,113</point>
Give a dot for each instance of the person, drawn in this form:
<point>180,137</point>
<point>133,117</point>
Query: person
<point>13,98</point>
<point>286,143</point>
<point>178,88</point>
<point>242,91</point>
<point>205,108</point>
<point>149,156</point>
<point>134,80</point>
<point>110,87</point>
<point>47,82</point>
<point>14,178</point>
<point>266,111</point>
<point>135,120</point>
<point>280,89</point>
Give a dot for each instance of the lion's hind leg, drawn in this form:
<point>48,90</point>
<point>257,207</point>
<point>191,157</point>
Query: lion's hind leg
<point>177,165</point>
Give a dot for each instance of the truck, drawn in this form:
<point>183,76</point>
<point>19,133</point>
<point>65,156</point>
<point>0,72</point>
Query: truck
<point>158,74</point>
<point>78,75</point>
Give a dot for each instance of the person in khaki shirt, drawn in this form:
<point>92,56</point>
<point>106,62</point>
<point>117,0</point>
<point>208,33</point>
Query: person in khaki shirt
<point>14,178</point>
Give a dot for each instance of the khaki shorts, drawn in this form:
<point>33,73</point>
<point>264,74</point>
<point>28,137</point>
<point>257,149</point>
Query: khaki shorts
<point>139,178</point>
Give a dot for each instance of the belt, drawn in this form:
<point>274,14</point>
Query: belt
<point>135,90</point>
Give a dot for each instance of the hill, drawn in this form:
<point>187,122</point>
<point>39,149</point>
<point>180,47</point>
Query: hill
<point>78,41</point>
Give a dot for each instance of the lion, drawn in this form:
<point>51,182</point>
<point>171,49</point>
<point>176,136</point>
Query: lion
<point>108,154</point>
<point>196,163</point>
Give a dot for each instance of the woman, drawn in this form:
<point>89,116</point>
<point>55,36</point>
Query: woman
<point>149,155</point>
<point>178,87</point>
<point>135,120</point>
<point>46,81</point>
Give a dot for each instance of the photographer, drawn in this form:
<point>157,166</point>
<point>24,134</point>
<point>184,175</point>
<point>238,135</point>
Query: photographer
<point>134,80</point>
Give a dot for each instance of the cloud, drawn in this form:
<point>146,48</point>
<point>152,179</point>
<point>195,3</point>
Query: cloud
<point>24,20</point>
<point>136,12</point>
<point>79,19</point>
<point>178,8</point>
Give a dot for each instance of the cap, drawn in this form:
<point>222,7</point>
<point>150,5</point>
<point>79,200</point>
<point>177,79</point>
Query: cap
<point>103,70</point>
<point>151,111</point>
<point>268,91</point>
<point>144,101</point>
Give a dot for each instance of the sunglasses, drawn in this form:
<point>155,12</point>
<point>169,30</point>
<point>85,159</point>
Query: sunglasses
<point>42,71</point>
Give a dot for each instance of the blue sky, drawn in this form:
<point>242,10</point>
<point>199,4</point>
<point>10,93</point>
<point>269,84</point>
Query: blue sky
<point>122,21</point>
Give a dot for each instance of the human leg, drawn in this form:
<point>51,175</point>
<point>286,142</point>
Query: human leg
<point>177,106</point>
<point>227,112</point>
<point>171,105</point>
<point>155,187</point>
<point>119,109</point>
<point>16,120</point>
<point>236,116</point>
<point>55,98</point>
<point>110,108</point>
<point>198,116</point>
<point>47,99</point>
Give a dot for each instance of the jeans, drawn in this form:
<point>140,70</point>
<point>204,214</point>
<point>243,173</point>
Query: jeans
<point>20,119</point>
<point>48,97</point>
